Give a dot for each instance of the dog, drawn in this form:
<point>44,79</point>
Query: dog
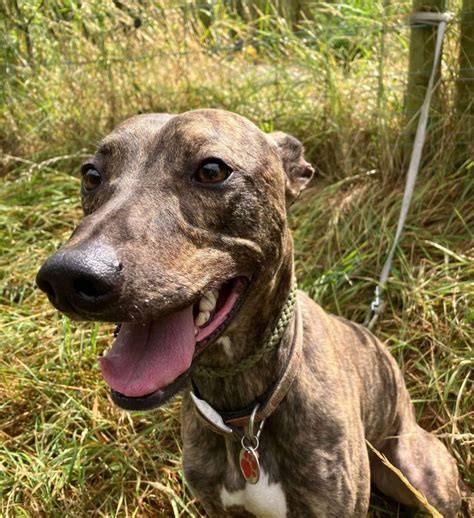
<point>185,243</point>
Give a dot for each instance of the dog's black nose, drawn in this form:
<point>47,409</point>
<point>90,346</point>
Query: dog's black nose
<point>81,280</point>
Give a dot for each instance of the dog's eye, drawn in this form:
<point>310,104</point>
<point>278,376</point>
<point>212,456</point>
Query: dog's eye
<point>212,172</point>
<point>91,178</point>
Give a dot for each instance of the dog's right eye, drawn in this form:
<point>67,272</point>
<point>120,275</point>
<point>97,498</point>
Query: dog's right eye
<point>212,172</point>
<point>91,178</point>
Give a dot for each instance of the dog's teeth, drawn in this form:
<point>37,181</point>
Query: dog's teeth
<point>196,331</point>
<point>208,302</point>
<point>202,318</point>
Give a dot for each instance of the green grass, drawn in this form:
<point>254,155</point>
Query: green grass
<point>65,450</point>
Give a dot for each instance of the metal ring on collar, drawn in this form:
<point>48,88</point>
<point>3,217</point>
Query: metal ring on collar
<point>249,443</point>
<point>252,420</point>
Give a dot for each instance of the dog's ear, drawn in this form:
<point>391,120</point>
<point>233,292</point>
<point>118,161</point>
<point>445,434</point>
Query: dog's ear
<point>298,171</point>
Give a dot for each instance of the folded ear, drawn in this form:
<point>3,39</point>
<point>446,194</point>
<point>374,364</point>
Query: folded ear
<point>298,171</point>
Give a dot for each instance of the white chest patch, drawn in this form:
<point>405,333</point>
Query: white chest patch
<point>262,499</point>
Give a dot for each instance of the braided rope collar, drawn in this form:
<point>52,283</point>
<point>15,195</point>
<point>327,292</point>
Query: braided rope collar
<point>210,372</point>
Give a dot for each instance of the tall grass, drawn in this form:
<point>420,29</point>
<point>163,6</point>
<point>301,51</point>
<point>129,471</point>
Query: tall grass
<point>72,71</point>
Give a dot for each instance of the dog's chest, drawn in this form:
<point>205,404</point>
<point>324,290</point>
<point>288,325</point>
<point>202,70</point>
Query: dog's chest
<point>264,499</point>
<point>217,481</point>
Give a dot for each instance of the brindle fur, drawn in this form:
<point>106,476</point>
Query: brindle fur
<point>176,240</point>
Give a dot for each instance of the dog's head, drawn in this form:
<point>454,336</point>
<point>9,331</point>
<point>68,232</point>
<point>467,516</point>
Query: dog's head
<point>185,214</point>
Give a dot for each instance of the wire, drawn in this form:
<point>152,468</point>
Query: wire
<point>237,47</point>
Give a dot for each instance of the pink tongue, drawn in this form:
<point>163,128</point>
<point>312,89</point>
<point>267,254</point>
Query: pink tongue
<point>145,358</point>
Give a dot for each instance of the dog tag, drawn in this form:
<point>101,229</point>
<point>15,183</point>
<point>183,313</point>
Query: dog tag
<point>249,465</point>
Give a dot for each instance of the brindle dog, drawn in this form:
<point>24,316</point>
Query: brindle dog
<point>186,243</point>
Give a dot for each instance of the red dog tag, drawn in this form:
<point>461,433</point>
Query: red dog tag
<point>249,465</point>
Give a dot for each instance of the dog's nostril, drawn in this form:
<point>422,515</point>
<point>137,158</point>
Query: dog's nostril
<point>89,287</point>
<point>47,287</point>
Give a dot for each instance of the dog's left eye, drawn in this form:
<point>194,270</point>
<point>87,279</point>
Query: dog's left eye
<point>212,172</point>
<point>91,178</point>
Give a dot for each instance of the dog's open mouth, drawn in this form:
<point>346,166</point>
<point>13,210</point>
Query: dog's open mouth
<point>150,362</point>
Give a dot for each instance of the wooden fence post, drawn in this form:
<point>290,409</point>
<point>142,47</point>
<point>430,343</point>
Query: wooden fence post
<point>422,47</point>
<point>465,85</point>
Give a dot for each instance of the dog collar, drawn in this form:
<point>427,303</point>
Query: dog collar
<point>233,422</point>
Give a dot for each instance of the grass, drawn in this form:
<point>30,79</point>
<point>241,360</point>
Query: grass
<point>65,450</point>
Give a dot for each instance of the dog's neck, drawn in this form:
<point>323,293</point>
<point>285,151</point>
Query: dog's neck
<point>252,327</point>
